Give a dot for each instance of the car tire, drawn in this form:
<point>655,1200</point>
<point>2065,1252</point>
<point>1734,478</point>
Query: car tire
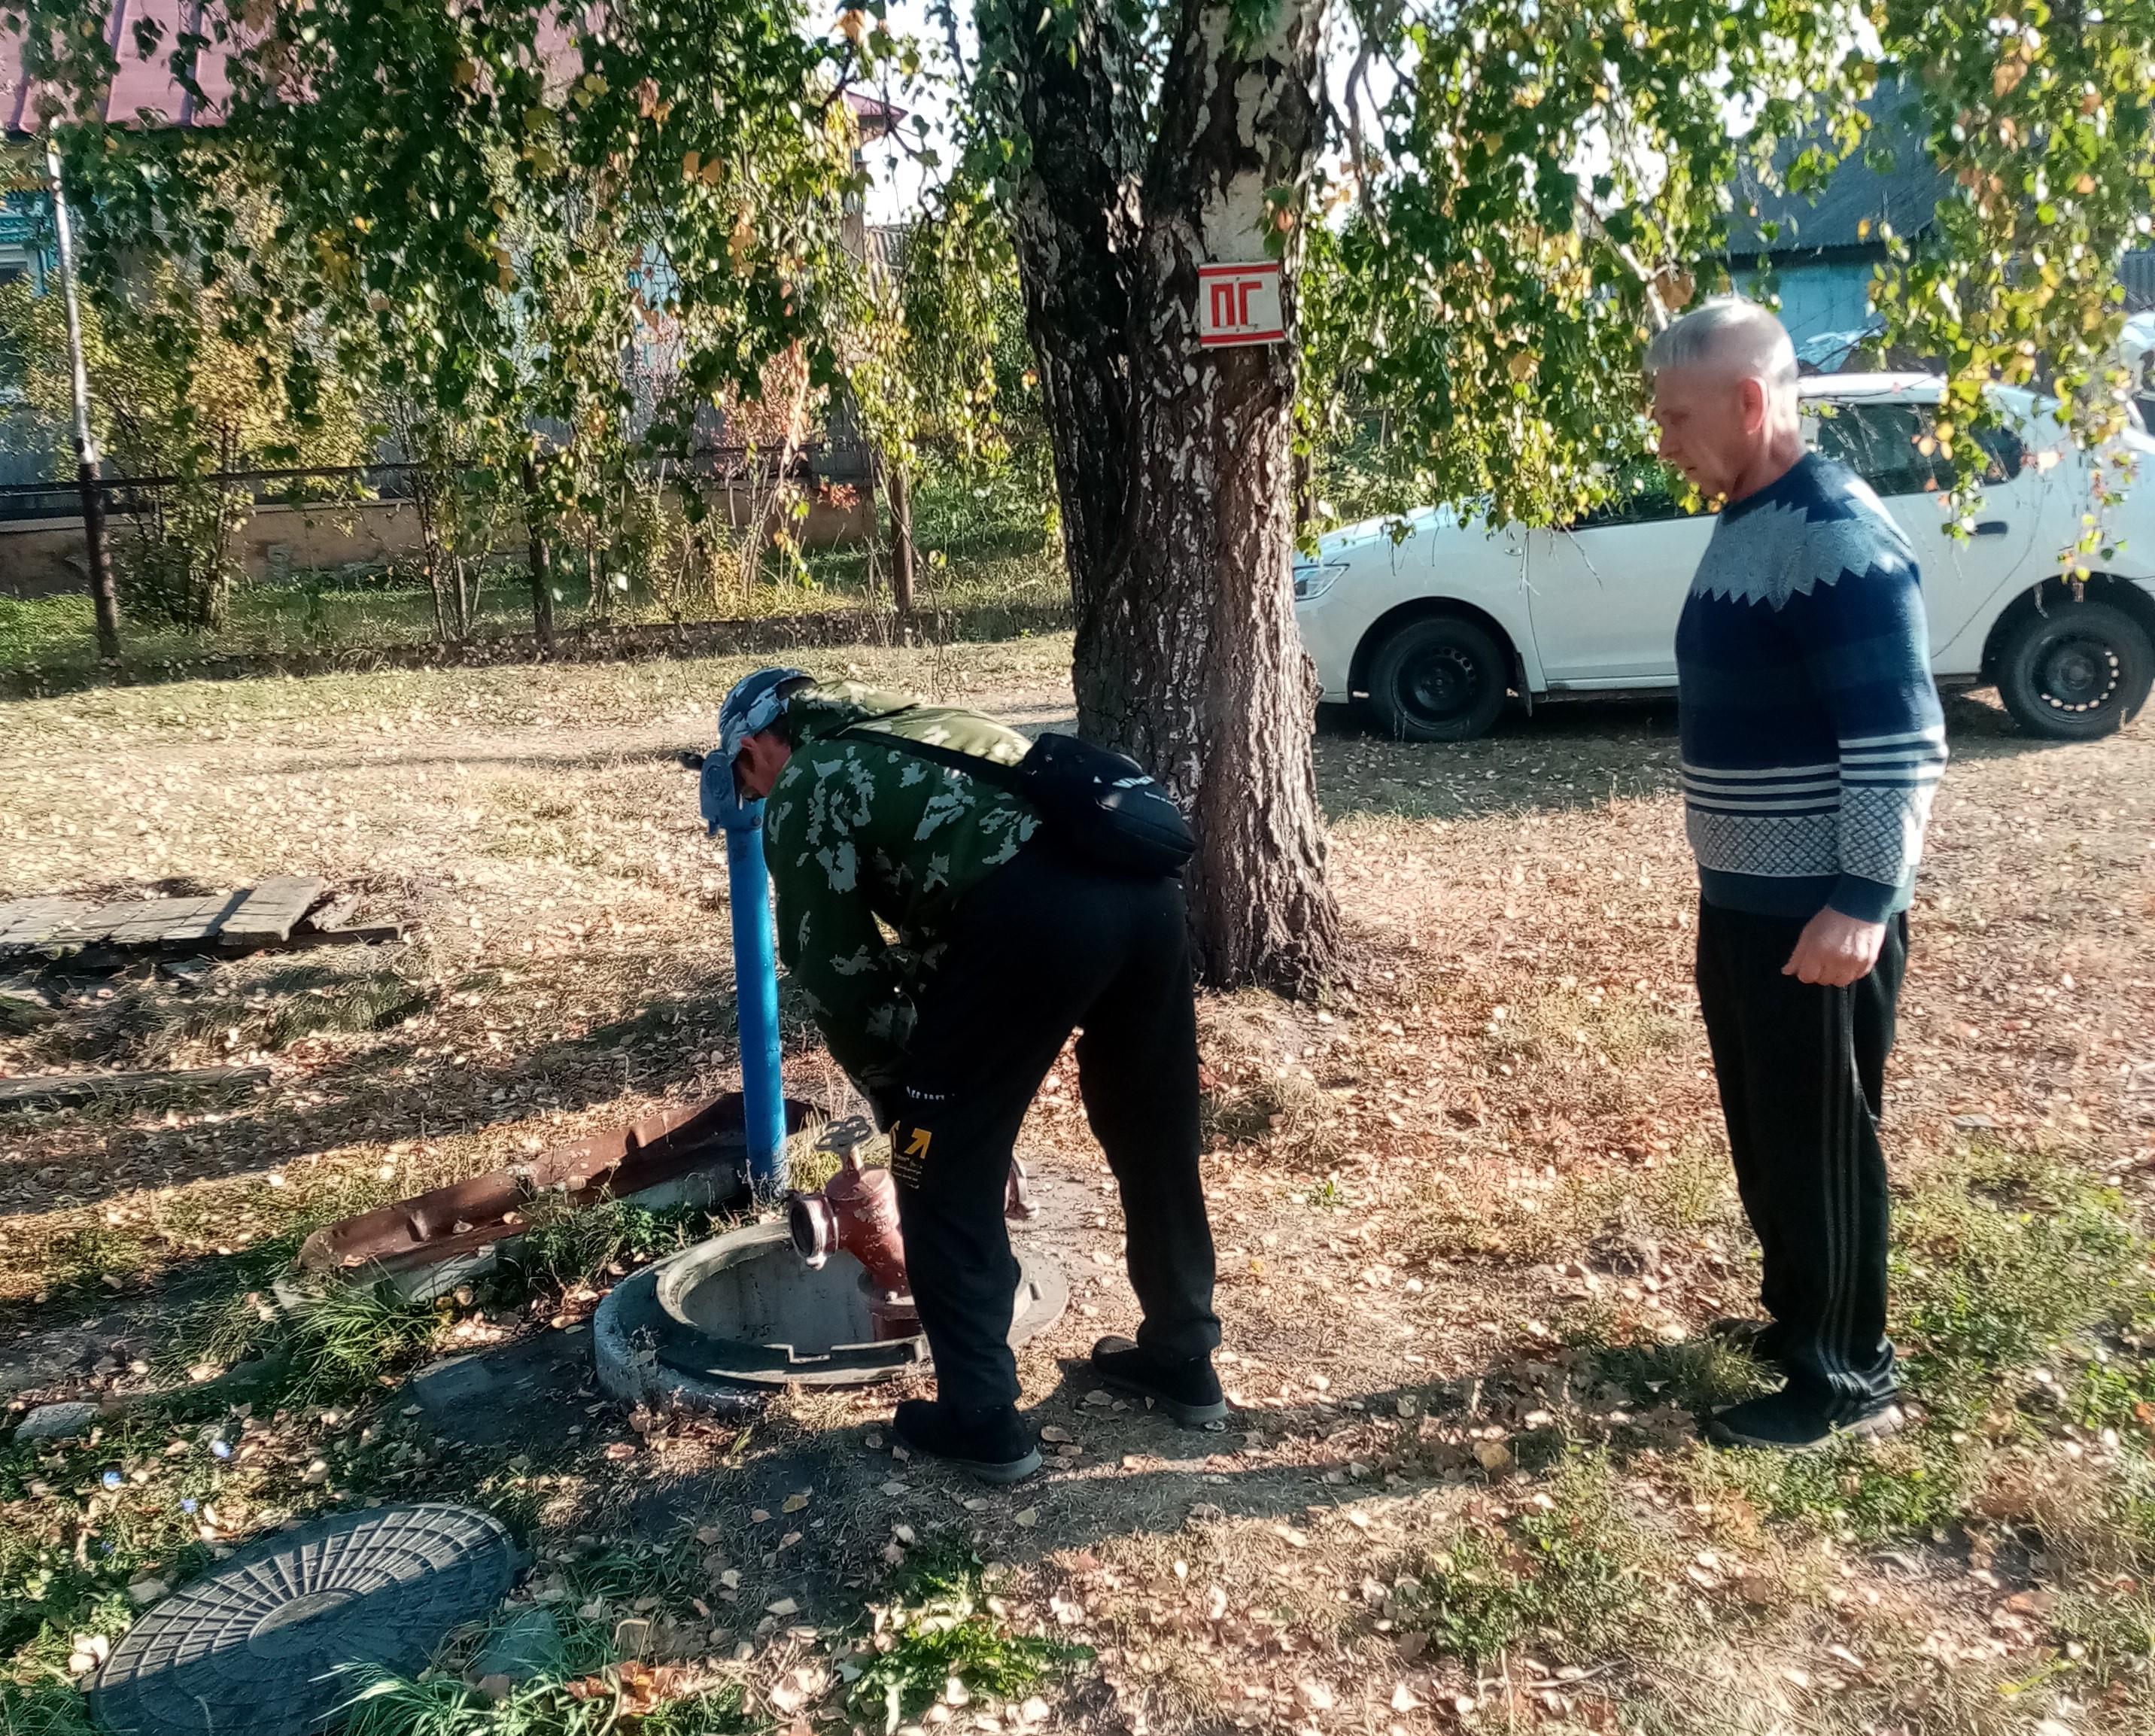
<point>1440,679</point>
<point>2076,671</point>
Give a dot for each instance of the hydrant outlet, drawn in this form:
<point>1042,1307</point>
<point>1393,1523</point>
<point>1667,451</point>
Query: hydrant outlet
<point>813,1227</point>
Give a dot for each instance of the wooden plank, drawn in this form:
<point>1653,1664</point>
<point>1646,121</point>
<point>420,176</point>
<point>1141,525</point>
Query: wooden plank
<point>193,930</point>
<point>365,934</point>
<point>334,912</point>
<point>66,1087</point>
<point>154,923</point>
<point>269,911</point>
<point>26,922</point>
<point>90,925</point>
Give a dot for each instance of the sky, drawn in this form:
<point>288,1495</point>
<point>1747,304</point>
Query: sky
<point>898,177</point>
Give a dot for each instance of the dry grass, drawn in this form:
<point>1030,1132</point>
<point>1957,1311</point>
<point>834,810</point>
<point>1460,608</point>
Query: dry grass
<point>1471,1212</point>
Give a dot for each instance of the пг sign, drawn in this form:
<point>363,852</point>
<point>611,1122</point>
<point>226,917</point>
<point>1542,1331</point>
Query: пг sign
<point>1240,305</point>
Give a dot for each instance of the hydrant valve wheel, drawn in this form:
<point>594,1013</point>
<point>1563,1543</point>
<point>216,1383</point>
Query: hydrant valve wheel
<point>845,1138</point>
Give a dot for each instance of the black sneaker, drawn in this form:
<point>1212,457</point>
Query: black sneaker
<point>990,1441</point>
<point>1745,1336</point>
<point>1186,1389</point>
<point>1783,1423</point>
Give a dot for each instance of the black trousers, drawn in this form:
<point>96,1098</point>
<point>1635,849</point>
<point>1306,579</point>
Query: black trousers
<point>1801,1069</point>
<point>1042,947</point>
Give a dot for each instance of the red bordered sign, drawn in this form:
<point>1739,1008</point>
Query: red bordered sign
<point>1240,305</point>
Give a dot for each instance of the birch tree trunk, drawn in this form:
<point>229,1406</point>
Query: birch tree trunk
<point>1173,461</point>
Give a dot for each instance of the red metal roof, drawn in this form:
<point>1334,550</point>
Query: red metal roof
<point>144,89</point>
<point>877,119</point>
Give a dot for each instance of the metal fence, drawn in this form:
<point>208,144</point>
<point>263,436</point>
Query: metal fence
<point>815,465</point>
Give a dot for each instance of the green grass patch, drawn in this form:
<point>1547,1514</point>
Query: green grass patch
<point>591,1692</point>
<point>338,1341</point>
<point>111,1509</point>
<point>2002,1256</point>
<point>1917,1483</point>
<point>347,1338</point>
<point>1576,1578</point>
<point>568,1245</point>
<point>2115,1392</point>
<point>937,1626</point>
<point>595,1705</point>
<point>985,546</point>
<point>92,1260</point>
<point>2113,1630</point>
<point>1701,1375</point>
<point>2003,1261</point>
<point>50,1706</point>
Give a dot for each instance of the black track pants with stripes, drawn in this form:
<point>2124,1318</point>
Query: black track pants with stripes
<point>1043,946</point>
<point>1801,1070</point>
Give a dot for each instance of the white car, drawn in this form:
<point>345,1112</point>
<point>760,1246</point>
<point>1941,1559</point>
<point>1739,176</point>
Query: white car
<point>1433,631</point>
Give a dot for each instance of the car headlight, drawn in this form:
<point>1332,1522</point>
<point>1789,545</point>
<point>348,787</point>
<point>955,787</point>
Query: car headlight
<point>1313,578</point>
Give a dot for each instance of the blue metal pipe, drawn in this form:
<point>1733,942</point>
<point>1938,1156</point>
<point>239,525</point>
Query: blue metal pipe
<point>755,977</point>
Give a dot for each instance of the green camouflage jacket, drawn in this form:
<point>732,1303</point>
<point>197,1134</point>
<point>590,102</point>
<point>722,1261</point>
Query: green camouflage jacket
<point>859,836</point>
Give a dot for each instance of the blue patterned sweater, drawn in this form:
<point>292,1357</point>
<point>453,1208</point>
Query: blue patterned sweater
<point>1812,736</point>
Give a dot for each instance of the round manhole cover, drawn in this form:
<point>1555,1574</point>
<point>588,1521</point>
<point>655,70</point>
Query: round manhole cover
<point>279,1638</point>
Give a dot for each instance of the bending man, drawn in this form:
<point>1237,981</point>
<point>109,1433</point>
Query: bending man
<point>1007,940</point>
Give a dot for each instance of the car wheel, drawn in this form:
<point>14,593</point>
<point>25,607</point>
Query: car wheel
<point>2078,671</point>
<point>1438,679</point>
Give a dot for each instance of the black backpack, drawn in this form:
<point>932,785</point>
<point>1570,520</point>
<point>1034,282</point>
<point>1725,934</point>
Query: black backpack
<point>1100,805</point>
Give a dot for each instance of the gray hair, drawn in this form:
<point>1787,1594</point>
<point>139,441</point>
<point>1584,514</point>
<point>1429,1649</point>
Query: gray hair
<point>1729,333</point>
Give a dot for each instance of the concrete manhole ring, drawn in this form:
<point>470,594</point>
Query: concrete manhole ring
<point>721,1325</point>
<point>278,1639</point>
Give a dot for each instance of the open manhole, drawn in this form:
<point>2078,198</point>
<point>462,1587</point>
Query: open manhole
<point>279,1639</point>
<point>721,1324</point>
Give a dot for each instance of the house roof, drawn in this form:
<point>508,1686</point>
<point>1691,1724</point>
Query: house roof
<point>876,119</point>
<point>145,92</point>
<point>1903,190</point>
<point>143,89</point>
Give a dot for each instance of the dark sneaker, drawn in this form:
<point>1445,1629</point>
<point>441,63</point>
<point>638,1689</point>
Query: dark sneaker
<point>1783,1423</point>
<point>1745,1336</point>
<point>1187,1389</point>
<point>991,1443</point>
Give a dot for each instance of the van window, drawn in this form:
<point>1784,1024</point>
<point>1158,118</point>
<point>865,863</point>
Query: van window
<point>1883,444</point>
<point>1647,491</point>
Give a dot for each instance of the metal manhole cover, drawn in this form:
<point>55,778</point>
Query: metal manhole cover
<point>279,1638</point>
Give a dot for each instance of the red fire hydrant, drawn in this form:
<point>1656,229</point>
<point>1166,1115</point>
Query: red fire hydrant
<point>857,1210</point>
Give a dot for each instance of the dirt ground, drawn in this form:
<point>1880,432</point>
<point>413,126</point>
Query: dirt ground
<point>1473,1212</point>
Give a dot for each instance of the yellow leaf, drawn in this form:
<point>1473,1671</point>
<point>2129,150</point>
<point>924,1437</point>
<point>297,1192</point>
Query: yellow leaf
<point>794,1503</point>
<point>1522,364</point>
<point>691,160</point>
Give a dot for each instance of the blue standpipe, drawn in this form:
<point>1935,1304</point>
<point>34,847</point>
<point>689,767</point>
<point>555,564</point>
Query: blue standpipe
<point>756,974</point>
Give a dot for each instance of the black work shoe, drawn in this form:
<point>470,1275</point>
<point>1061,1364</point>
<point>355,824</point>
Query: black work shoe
<point>1186,1389</point>
<point>1784,1422</point>
<point>1745,1336</point>
<point>989,1441</point>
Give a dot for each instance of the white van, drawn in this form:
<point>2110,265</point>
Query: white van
<point>1431,634</point>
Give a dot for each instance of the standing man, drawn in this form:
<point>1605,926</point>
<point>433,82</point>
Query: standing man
<point>1812,744</point>
<point>1007,940</point>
